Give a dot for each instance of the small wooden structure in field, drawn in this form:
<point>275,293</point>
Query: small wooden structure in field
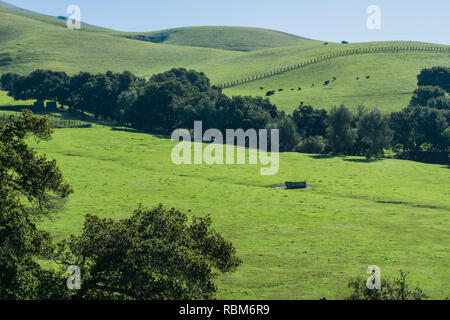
<point>296,185</point>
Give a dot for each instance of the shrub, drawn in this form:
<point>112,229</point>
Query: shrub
<point>395,289</point>
<point>313,145</point>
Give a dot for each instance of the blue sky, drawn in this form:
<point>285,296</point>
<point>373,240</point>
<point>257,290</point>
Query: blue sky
<point>331,20</point>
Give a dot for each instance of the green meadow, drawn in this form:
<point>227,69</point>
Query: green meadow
<point>303,244</point>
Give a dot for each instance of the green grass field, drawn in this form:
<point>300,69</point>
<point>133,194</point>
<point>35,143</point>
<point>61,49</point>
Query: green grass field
<point>295,244</point>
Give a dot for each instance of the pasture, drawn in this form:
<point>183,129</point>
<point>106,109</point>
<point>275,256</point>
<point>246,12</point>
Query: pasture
<point>296,244</point>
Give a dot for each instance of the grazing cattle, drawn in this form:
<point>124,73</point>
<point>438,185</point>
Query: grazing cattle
<point>334,78</point>
<point>292,89</point>
<point>326,83</point>
<point>261,88</point>
<point>299,89</point>
<point>357,78</point>
<point>368,77</point>
<point>270,93</point>
<point>301,103</point>
<point>280,90</point>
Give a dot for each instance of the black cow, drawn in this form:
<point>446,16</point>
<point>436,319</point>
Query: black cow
<point>280,90</point>
<point>326,83</point>
<point>368,77</point>
<point>270,93</point>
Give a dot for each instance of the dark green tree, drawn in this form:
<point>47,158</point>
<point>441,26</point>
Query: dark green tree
<point>40,85</point>
<point>374,134</point>
<point>436,76</point>
<point>30,186</point>
<point>441,103</point>
<point>153,255</point>
<point>423,94</point>
<point>7,81</point>
<point>416,128</point>
<point>310,122</point>
<point>289,138</point>
<point>341,135</point>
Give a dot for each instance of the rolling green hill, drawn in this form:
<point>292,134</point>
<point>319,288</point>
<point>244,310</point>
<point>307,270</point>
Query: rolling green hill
<point>27,44</point>
<point>54,21</point>
<point>30,41</point>
<point>225,38</point>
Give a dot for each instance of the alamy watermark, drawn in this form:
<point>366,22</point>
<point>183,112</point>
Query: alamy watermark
<point>374,20</point>
<point>74,280</point>
<point>374,281</point>
<point>231,152</point>
<point>74,17</point>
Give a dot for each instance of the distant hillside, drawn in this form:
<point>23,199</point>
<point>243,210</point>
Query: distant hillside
<point>55,21</point>
<point>30,41</point>
<point>225,38</point>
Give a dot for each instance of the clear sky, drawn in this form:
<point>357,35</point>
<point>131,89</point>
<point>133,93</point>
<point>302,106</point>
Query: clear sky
<point>331,20</point>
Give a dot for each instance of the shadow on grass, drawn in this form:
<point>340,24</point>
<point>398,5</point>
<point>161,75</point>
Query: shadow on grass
<point>359,160</point>
<point>324,156</point>
<point>345,158</point>
<point>131,130</point>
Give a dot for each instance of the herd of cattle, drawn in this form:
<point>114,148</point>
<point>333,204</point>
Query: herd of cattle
<point>326,83</point>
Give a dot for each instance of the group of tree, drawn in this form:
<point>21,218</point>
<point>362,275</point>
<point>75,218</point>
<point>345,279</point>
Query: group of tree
<point>176,98</point>
<point>163,103</point>
<point>155,254</point>
<point>418,132</point>
<point>342,131</point>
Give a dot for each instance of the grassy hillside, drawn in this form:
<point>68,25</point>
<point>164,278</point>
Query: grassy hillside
<point>393,78</point>
<point>225,38</point>
<point>55,21</point>
<point>301,244</point>
<point>27,44</point>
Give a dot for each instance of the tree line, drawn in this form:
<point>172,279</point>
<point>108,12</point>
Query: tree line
<point>176,98</point>
<point>419,132</point>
